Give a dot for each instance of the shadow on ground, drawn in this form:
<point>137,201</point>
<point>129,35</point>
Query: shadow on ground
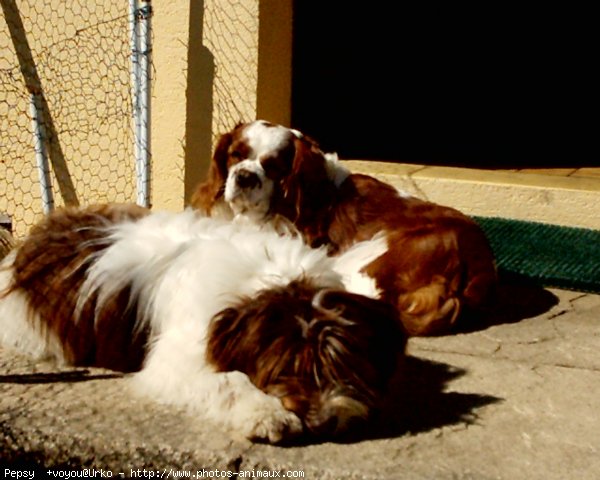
<point>419,403</point>
<point>517,298</point>
<point>54,377</point>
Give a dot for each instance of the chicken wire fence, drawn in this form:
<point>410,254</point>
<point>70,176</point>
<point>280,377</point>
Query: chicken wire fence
<point>74,105</point>
<point>231,35</point>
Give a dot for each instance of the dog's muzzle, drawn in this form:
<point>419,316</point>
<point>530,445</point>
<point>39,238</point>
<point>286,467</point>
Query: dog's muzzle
<point>245,179</point>
<point>247,189</point>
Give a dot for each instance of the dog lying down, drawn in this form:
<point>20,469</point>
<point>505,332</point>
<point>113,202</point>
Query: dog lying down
<point>245,327</point>
<point>438,269</point>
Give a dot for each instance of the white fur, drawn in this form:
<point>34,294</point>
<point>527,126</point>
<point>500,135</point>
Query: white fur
<point>198,267</point>
<point>264,138</point>
<point>17,321</point>
<point>351,263</point>
<point>185,269</point>
<point>336,172</point>
<point>255,202</point>
<point>297,133</point>
<point>221,260</point>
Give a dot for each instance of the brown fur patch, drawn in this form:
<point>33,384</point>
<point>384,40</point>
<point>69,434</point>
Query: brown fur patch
<point>209,192</point>
<point>308,355</point>
<point>50,267</point>
<point>439,261</point>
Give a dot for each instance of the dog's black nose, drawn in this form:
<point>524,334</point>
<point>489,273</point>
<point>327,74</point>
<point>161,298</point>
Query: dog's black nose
<point>247,179</point>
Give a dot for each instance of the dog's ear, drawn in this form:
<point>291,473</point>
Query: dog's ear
<point>224,334</point>
<point>370,327</point>
<point>249,337</point>
<point>209,192</point>
<point>308,191</point>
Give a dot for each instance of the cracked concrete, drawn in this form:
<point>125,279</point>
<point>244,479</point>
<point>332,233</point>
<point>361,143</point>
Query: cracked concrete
<point>514,398</point>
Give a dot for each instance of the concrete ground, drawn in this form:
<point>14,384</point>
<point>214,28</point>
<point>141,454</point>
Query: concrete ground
<point>517,398</point>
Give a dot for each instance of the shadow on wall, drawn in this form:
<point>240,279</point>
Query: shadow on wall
<point>36,90</point>
<point>199,92</point>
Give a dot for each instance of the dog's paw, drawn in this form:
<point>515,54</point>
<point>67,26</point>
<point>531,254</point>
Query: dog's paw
<point>257,415</point>
<point>273,423</point>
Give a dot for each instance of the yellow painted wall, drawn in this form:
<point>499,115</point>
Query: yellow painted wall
<point>170,26</point>
<point>77,54</point>
<point>215,63</point>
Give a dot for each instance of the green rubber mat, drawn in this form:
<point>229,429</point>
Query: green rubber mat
<point>550,255</point>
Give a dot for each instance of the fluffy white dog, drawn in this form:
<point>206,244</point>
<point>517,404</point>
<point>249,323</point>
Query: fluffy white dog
<point>248,328</point>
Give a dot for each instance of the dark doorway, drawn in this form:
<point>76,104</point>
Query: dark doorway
<point>482,86</point>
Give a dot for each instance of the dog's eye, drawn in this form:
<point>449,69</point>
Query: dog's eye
<point>275,167</point>
<point>235,157</point>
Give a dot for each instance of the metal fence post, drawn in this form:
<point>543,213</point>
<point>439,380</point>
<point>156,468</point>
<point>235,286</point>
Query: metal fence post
<point>141,49</point>
<point>41,153</point>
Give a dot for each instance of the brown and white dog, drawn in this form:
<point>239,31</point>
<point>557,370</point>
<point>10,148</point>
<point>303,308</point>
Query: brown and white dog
<point>245,327</point>
<point>438,262</point>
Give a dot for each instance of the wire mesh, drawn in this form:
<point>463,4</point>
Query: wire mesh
<point>73,59</point>
<point>231,34</point>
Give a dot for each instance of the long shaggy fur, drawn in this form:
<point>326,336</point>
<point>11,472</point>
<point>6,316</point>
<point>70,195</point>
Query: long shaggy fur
<point>248,328</point>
